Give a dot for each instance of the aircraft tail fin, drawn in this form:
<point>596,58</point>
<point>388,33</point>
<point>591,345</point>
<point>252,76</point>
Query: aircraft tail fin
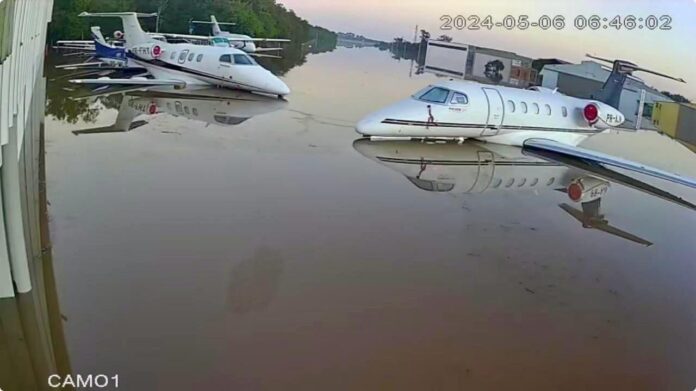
<point>216,25</point>
<point>134,34</point>
<point>610,93</point>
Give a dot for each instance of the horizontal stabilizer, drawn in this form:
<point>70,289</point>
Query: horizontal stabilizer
<point>602,225</point>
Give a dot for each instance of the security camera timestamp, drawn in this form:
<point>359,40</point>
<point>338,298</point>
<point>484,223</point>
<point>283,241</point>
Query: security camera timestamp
<point>558,22</point>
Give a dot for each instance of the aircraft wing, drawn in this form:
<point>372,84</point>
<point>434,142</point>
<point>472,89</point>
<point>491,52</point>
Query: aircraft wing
<point>543,145</point>
<point>268,49</point>
<point>132,81</point>
<point>183,36</point>
<point>262,39</point>
<point>263,55</point>
<point>591,167</point>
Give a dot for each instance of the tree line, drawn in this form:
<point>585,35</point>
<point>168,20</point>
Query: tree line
<point>257,18</point>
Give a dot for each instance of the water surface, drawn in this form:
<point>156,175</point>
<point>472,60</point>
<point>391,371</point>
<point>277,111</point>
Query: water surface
<point>271,254</point>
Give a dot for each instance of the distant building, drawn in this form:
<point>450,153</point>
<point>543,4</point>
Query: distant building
<point>480,64</point>
<point>677,120</point>
<point>584,79</point>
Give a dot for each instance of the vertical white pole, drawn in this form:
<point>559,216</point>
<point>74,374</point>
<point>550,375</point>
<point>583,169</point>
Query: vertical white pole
<point>641,104</point>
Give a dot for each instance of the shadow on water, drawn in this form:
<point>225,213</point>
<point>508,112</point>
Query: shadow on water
<point>254,282</point>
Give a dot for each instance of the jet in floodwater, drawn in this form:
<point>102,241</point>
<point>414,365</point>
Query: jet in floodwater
<point>186,64</point>
<point>537,118</point>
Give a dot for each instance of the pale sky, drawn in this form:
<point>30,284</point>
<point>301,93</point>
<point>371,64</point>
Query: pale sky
<point>672,52</point>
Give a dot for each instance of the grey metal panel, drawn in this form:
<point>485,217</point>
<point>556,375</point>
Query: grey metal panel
<point>577,86</point>
<point>686,125</point>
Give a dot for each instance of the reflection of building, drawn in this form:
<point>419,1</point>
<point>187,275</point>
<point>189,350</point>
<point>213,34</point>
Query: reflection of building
<point>676,120</point>
<point>584,79</point>
<point>480,64</point>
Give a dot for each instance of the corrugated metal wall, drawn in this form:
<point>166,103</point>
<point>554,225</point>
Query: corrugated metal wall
<point>23,27</point>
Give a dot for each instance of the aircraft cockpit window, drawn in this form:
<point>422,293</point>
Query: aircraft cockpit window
<point>435,95</point>
<point>226,58</point>
<point>243,59</point>
<point>459,99</point>
<point>434,186</point>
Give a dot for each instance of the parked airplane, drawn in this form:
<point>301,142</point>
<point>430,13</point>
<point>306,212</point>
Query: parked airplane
<point>187,64</point>
<point>239,41</point>
<point>475,167</point>
<point>209,105</point>
<point>537,118</point>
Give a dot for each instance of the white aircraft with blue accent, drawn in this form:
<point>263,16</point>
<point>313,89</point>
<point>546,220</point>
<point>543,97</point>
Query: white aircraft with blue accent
<point>541,120</point>
<point>186,64</point>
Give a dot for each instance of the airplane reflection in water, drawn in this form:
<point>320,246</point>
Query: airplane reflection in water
<point>211,106</point>
<point>475,167</point>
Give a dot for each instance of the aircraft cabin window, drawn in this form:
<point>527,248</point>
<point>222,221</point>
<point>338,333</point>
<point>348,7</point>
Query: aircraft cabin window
<point>435,95</point>
<point>182,56</point>
<point>510,182</point>
<point>199,58</point>
<point>522,182</point>
<point>243,59</point>
<point>496,183</point>
<point>535,108</point>
<point>459,99</point>
<point>511,106</point>
<point>173,55</point>
<point>547,108</point>
<point>226,58</point>
<point>564,110</point>
<point>534,182</point>
<point>191,56</point>
<point>523,105</point>
<point>551,181</point>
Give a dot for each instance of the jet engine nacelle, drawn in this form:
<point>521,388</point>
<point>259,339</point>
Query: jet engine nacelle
<point>587,189</point>
<point>151,51</point>
<point>602,116</point>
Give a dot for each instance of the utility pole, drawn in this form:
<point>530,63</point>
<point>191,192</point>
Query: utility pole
<point>161,8</point>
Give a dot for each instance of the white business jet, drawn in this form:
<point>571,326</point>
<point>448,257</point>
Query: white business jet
<point>537,118</point>
<point>476,168</point>
<point>186,64</point>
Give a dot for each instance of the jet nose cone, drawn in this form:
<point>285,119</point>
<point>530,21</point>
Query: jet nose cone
<point>278,87</point>
<point>370,125</point>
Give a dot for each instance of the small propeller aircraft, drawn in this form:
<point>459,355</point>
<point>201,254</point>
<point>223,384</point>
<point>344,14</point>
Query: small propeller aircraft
<point>537,118</point>
<point>185,64</point>
<point>475,167</point>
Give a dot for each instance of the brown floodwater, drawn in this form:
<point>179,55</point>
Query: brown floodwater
<point>254,245</point>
